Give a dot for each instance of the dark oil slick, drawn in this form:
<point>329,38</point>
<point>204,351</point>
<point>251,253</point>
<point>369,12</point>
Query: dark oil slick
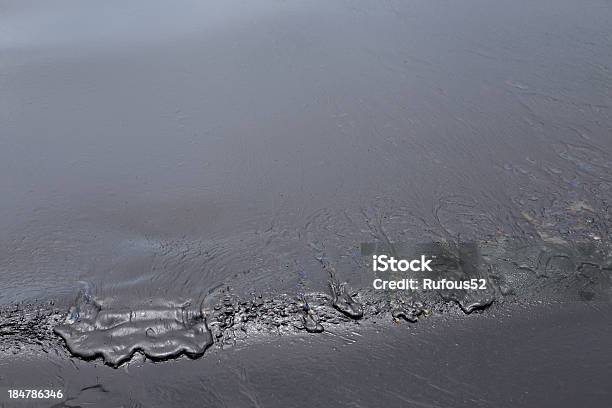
<point>178,180</point>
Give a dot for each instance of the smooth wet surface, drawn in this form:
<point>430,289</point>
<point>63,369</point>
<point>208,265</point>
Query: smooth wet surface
<point>236,142</point>
<point>225,156</point>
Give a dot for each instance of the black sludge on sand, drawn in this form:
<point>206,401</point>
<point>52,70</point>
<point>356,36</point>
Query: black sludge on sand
<point>166,330</point>
<point>532,356</point>
<point>343,301</point>
<point>159,332</point>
